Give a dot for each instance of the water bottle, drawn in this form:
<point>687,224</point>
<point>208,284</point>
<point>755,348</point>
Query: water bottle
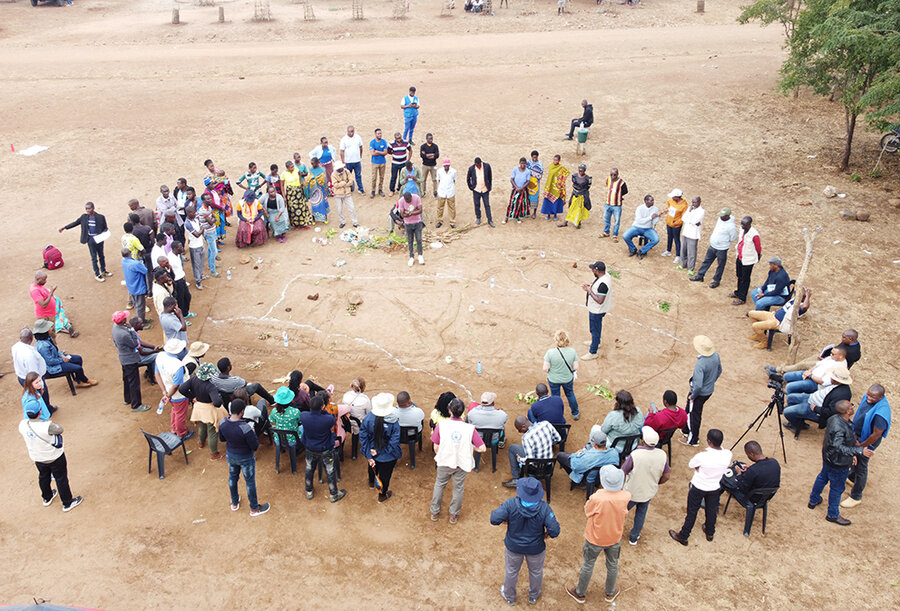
<point>478,367</point>
<point>228,274</point>
<point>284,337</point>
<point>162,404</point>
<point>549,287</point>
<point>492,282</point>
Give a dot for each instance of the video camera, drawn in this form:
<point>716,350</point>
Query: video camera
<point>776,381</point>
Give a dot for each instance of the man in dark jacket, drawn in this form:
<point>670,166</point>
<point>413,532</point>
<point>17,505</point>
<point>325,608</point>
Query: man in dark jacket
<point>92,225</point>
<point>240,453</point>
<point>529,520</point>
<point>479,180</point>
<point>775,290</point>
<point>318,438</point>
<point>587,118</point>
<point>839,453</point>
<point>765,472</point>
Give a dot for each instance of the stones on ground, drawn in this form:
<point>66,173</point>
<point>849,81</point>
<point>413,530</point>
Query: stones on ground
<point>862,215</point>
<point>830,191</point>
<point>847,215</point>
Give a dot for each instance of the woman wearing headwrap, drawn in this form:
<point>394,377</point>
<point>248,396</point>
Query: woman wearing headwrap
<point>379,436</point>
<point>580,200</point>
<point>251,222</point>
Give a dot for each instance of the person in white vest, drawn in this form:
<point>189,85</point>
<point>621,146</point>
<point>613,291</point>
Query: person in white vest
<point>45,447</point>
<point>598,300</point>
<point>453,442</point>
<point>749,250</point>
<point>645,469</point>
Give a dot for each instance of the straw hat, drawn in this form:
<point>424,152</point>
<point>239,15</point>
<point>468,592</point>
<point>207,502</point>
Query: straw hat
<point>841,376</point>
<point>703,345</point>
<point>198,349</point>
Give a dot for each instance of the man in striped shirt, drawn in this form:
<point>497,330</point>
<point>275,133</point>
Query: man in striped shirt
<point>616,189</point>
<point>537,442</point>
<point>400,152</point>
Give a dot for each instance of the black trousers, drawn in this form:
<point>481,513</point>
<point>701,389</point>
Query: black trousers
<point>482,198</point>
<point>182,295</point>
<point>395,174</point>
<point>60,472</point>
<point>574,125</point>
<point>695,416</point>
<point>384,470</point>
<point>743,279</point>
<point>131,383</point>
<point>719,256</point>
<point>98,259</point>
<point>695,497</point>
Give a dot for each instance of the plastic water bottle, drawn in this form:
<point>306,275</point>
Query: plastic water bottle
<point>162,404</point>
<point>228,274</point>
<point>492,282</point>
<point>549,287</point>
<point>478,367</point>
<point>284,337</point>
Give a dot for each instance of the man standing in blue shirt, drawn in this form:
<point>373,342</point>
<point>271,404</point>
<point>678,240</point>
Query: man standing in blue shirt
<point>870,424</point>
<point>135,273</point>
<point>410,106</point>
<point>319,437</point>
<point>378,148</point>
<point>547,407</point>
<point>242,444</point>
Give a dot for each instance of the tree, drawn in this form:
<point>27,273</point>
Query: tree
<point>770,11</point>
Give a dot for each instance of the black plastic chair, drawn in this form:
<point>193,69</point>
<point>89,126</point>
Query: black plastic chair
<point>284,445</point>
<point>411,435</point>
<point>540,468</point>
<point>628,444</point>
<point>487,436</point>
<point>163,444</point>
<point>68,375</point>
<point>791,286</point>
<point>758,498</point>
<point>771,333</point>
<point>589,486</point>
<point>563,430</point>
<point>665,439</point>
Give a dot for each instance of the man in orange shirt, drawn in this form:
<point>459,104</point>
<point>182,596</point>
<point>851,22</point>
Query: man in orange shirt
<point>677,206</point>
<point>606,511</point>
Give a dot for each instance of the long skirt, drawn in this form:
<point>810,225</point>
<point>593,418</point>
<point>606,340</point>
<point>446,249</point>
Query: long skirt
<point>320,211</point>
<point>534,193</point>
<point>251,234</point>
<point>518,205</point>
<point>553,206</point>
<point>280,226</point>
<point>220,225</point>
<point>61,321</point>
<point>298,210</point>
<point>577,211</point>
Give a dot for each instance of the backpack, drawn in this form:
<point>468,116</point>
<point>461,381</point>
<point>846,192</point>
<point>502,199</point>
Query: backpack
<point>53,258</point>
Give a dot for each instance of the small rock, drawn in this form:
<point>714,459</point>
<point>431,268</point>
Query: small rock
<point>575,264</point>
<point>805,204</point>
<point>847,215</point>
<point>313,297</point>
<point>862,215</point>
<point>287,309</point>
<point>830,191</point>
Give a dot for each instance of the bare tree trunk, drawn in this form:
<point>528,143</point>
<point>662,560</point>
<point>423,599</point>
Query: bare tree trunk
<point>809,237</point>
<point>848,142</point>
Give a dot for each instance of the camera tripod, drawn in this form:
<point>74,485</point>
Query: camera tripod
<point>776,402</point>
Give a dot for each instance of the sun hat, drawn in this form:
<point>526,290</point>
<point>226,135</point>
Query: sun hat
<point>249,195</point>
<point>284,395</point>
<point>42,326</point>
<point>174,345</point>
<point>338,165</point>
<point>488,398</point>
<point>704,345</point>
<point>446,161</point>
<point>841,376</point>
<point>598,437</point>
<point>649,435</point>
<point>382,404</point>
<point>207,371</point>
<point>119,316</point>
<point>676,193</point>
<point>775,261</point>
<point>611,478</point>
<point>529,489</point>
<point>725,211</point>
<point>198,349</point>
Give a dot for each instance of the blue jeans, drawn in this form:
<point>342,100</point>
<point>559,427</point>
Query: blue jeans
<point>356,168</point>
<point>610,212</point>
<point>569,389</point>
<point>409,124</point>
<point>74,366</point>
<point>514,451</point>
<point>837,479</point>
<point>247,466</point>
<point>649,233</point>
<point>595,322</point>
<point>796,413</point>
<point>640,514</point>
<point>764,303</point>
<point>212,249</point>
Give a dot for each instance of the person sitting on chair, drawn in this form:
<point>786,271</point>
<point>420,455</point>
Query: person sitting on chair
<point>586,119</point>
<point>762,321</point>
<point>538,439</point>
<point>408,413</point>
<point>593,454</point>
<point>669,417</point>
<point>547,407</point>
<point>58,363</point>
<point>774,291</point>
<point>227,383</point>
<point>765,472</point>
<point>487,416</point>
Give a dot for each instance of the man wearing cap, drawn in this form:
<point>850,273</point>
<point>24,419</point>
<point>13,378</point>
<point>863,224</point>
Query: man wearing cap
<point>486,416</point>
<point>58,362</point>
<point>645,217</point>
<point>798,386</point>
<point>135,273</point>
<point>454,441</point>
<point>748,250</point>
<point>351,147</point>
<point>479,179</point>
<point>709,466</point>
<point>529,522</point>
<point>240,452</point>
<point>676,207</point>
<point>169,376</point>
<point>765,472</point>
<point>593,454</point>
<point>342,187</point>
<point>724,233</point>
<point>585,120</point>
<point>538,439</point>
<point>646,468</point>
<point>606,511</point>
<point>26,359</point>
<point>429,152</point>
<point>445,178</point>
<point>127,343</point>
<point>821,403</point>
<point>208,411</point>
<point>776,288</point>
<point>707,370</point>
<point>870,425</point>
<point>44,442</point>
<point>410,106</point>
<point>598,299</point>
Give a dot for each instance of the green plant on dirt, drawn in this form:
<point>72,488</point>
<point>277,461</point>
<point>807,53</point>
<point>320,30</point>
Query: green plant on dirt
<point>613,273</point>
<point>665,306</point>
<point>528,397</point>
<point>855,177</point>
<point>601,390</point>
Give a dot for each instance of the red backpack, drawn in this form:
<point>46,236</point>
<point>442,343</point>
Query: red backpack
<point>53,259</point>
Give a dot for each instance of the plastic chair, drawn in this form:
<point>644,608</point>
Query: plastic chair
<point>758,498</point>
<point>628,444</point>
<point>487,435</point>
<point>665,439</point>
<point>354,439</point>
<point>163,444</point>
<point>540,468</point>
<point>589,486</point>
<point>563,430</point>
<point>68,375</point>
<point>771,333</point>
<point>410,435</point>
<point>284,445</point>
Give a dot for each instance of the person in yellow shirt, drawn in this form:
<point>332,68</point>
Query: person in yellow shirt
<point>677,206</point>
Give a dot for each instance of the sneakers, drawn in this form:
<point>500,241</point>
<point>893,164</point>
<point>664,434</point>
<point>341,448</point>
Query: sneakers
<point>454,518</point>
<point>612,597</point>
<point>491,223</point>
<point>410,262</point>
<point>684,441</point>
<point>576,416</point>
<point>106,273</point>
<point>680,268</point>
<point>381,193</point>
<point>511,483</point>
<point>77,501</point>
<point>372,195</point>
<point>263,508</point>
<point>677,262</point>
<point>665,254</point>
<point>216,275</point>
<point>438,225</point>
<point>590,356</point>
<point>847,503</point>
<point>140,408</point>
<point>238,506</point>
<point>53,496</point>
<point>509,602</point>
<point>421,260</point>
<point>435,516</point>
<point>771,370</point>
<point>309,495</point>
<point>634,541</point>
<point>573,592</point>
<point>691,273</point>
<point>99,278</point>
<point>337,497</point>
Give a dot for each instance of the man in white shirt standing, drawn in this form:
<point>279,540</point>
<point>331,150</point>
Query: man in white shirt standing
<point>446,192</point>
<point>720,242</point>
<point>692,221</point>
<point>709,466</point>
<point>645,217</point>
<point>26,359</point>
<point>351,147</point>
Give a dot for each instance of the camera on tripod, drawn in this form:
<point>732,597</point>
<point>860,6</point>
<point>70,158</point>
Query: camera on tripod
<point>776,380</point>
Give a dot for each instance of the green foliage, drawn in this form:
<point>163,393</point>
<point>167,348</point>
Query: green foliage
<point>876,173</point>
<point>855,177</point>
<point>767,12</point>
<point>883,99</point>
<point>613,273</point>
<point>528,397</point>
<point>601,390</point>
<point>665,306</point>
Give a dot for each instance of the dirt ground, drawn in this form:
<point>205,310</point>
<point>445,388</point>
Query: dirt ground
<point>126,101</point>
